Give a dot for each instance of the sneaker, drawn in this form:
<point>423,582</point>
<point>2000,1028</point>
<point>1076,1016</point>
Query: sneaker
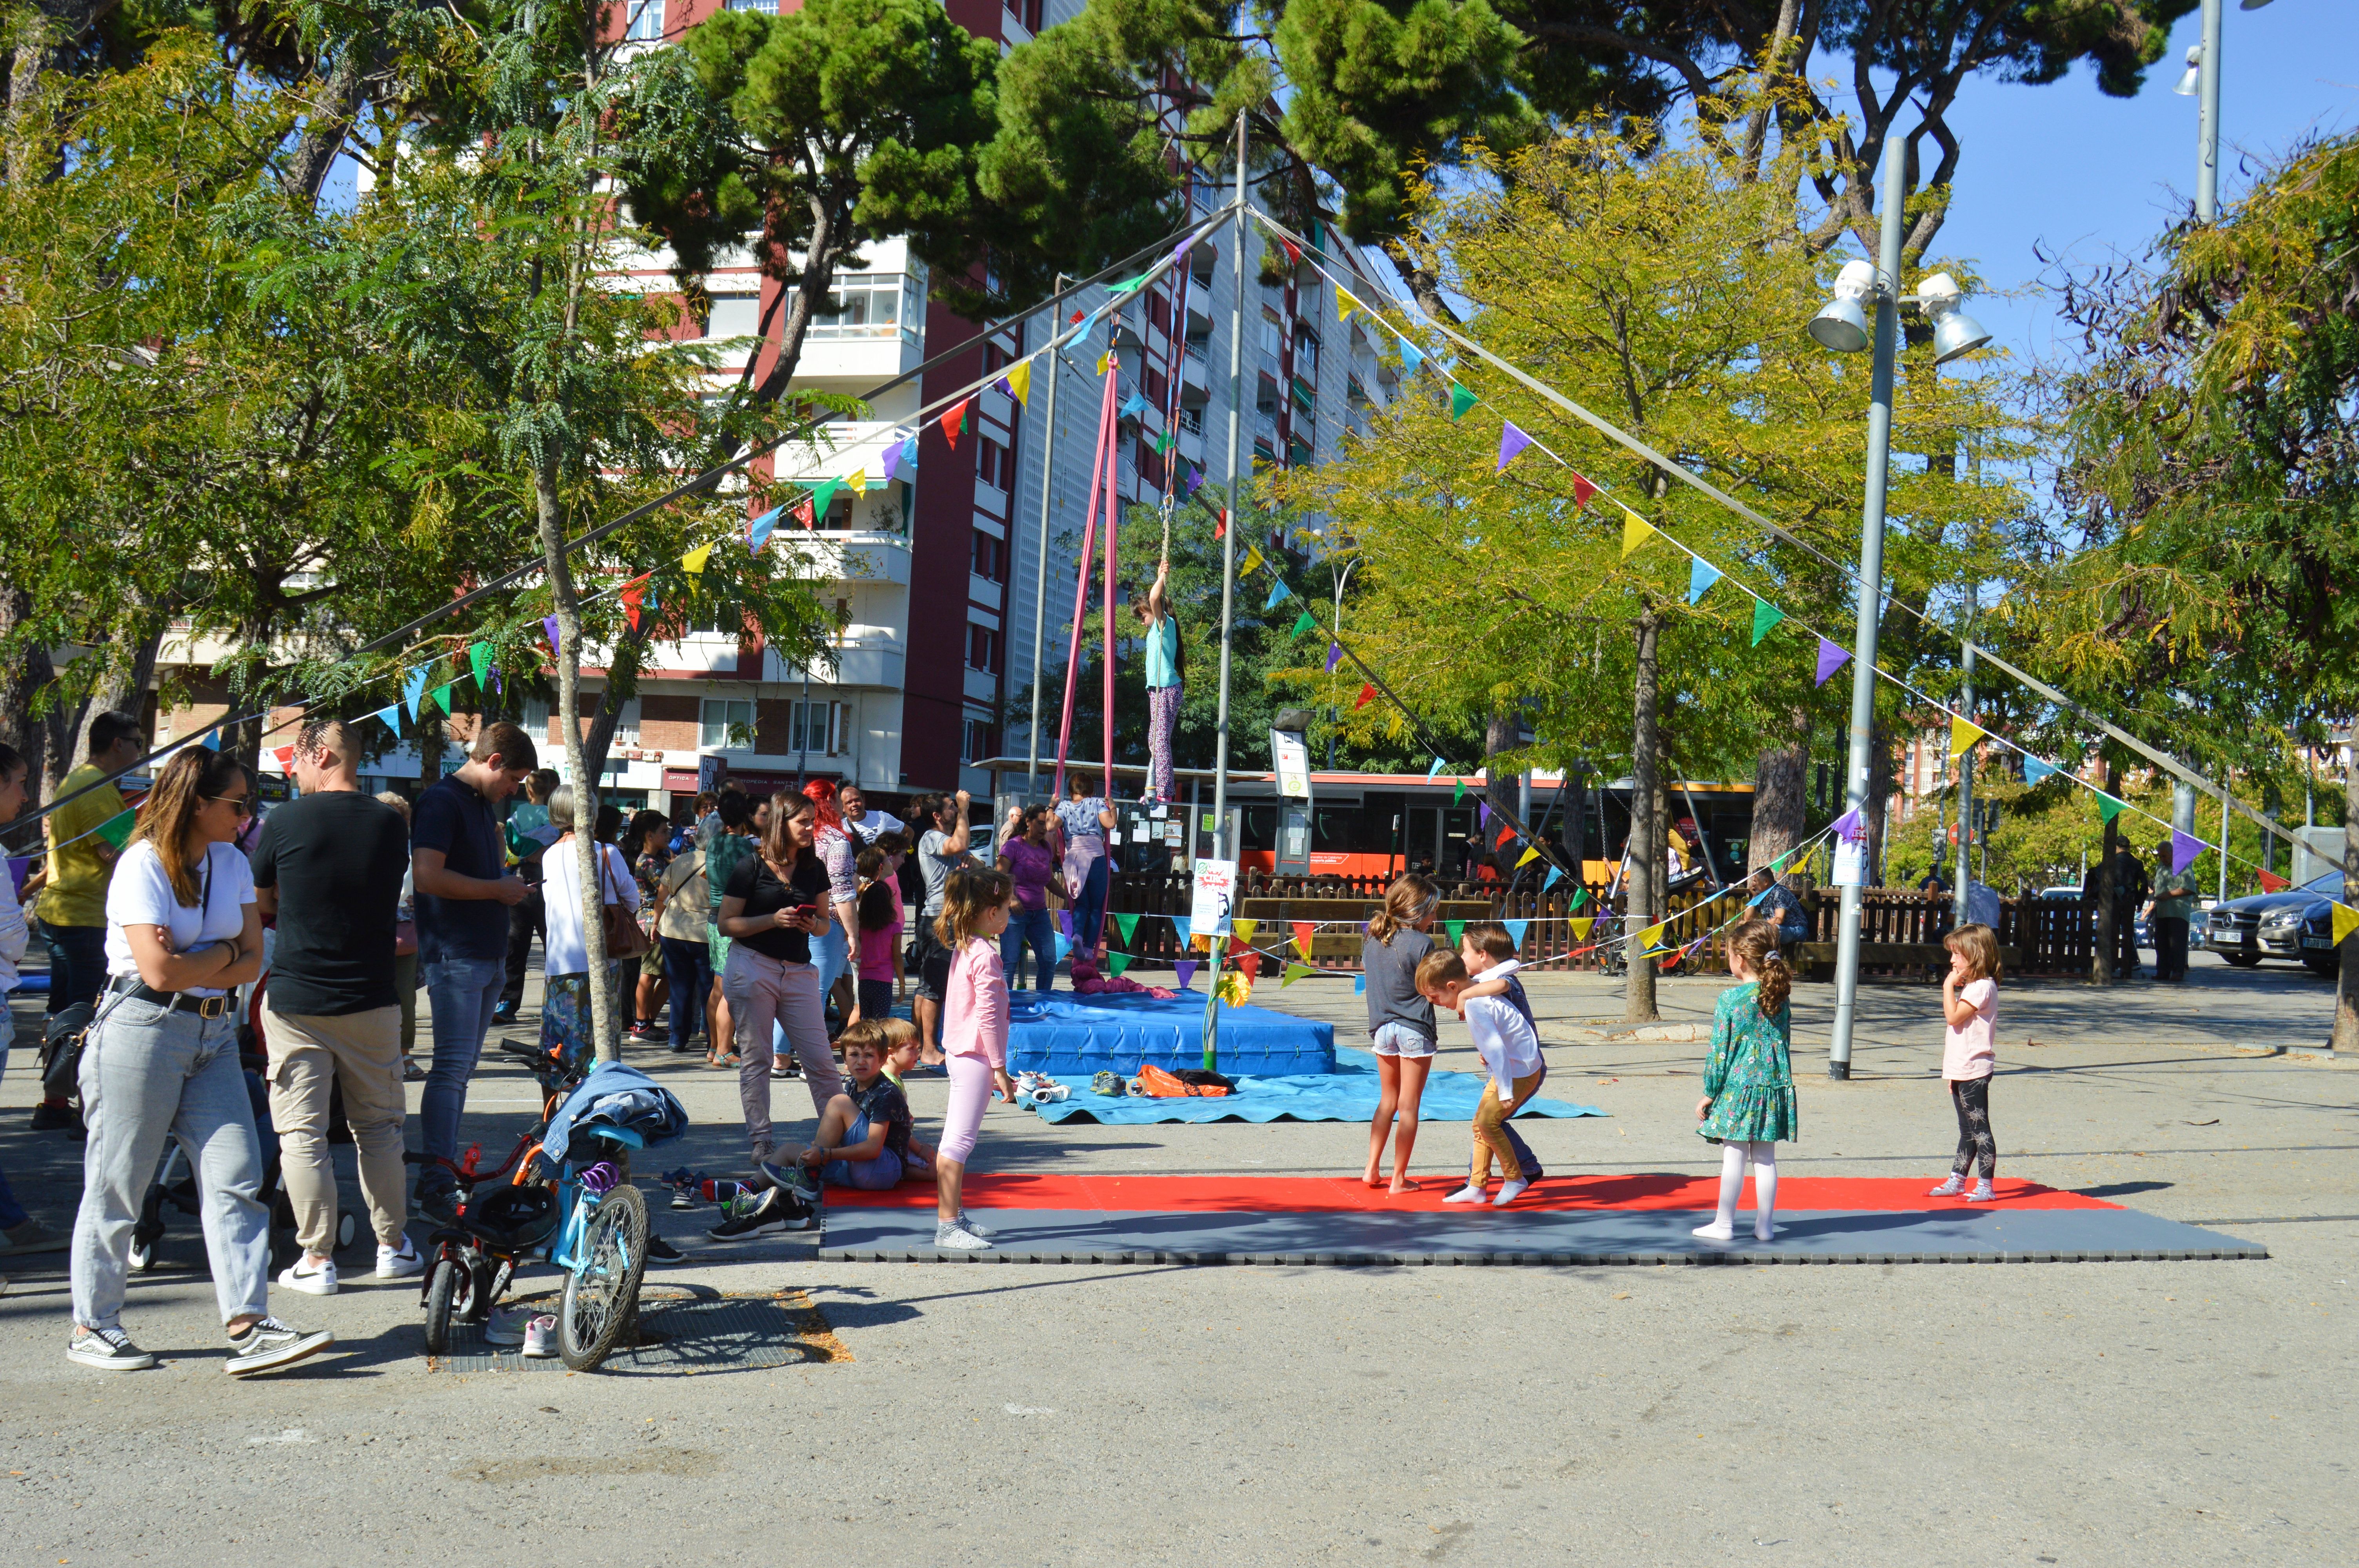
<point>1982,1194</point>
<point>311,1279</point>
<point>780,1070</point>
<point>504,1012</point>
<point>540,1337</point>
<point>796,1181</point>
<point>48,1117</point>
<point>441,1207</point>
<point>1470,1193</point>
<point>973,1228</point>
<point>506,1326</point>
<point>269,1344</point>
<point>662,1251</point>
<point>32,1236</point>
<point>401,1262</point>
<point>1508,1192</point>
<point>956,1238</point>
<point>110,1350</point>
<point>642,1031</point>
<point>1948,1189</point>
<point>752,1217</point>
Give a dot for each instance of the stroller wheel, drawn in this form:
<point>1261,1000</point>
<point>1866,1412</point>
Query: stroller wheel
<point>348,1226</point>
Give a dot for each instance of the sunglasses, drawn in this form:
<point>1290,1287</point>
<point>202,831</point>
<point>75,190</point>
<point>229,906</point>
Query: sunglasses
<point>245,806</point>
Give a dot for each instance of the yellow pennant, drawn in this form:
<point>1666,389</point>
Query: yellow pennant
<point>1580,924</point>
<point>1251,564</point>
<point>1963,736</point>
<point>1636,531</point>
<point>2346,920</point>
<point>856,480</point>
<point>1019,381</point>
<point>694,561</point>
<point>1530,856</point>
<point>1650,936</point>
<point>1245,929</point>
<point>1106,362</point>
<point>1345,305</point>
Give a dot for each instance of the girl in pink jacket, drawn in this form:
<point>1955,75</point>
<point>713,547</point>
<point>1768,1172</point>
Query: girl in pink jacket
<point>975,906</point>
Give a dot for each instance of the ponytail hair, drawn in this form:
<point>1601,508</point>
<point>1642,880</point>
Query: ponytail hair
<point>1407,901</point>
<point>1756,942</point>
<point>972,892</point>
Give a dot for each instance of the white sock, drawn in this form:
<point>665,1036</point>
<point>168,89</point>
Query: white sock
<point>1510,1192</point>
<point>1732,1183</point>
<point>1765,1188</point>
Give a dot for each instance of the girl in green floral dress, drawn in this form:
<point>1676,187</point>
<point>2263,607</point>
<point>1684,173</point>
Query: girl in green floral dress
<point>1748,1082</point>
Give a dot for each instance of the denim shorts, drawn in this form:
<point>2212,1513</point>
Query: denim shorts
<point>868,1175</point>
<point>1402,1039</point>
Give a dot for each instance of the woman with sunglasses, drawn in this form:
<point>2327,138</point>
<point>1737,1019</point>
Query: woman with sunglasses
<point>161,1061</point>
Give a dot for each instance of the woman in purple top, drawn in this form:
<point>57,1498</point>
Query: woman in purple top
<point>1025,855</point>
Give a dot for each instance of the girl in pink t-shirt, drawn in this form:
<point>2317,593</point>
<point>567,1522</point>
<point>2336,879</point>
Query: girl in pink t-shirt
<point>1970,1016</point>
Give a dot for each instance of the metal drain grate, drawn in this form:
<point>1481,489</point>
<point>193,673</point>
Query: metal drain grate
<point>683,1331</point>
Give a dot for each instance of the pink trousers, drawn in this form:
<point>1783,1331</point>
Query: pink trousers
<point>970,1092</point>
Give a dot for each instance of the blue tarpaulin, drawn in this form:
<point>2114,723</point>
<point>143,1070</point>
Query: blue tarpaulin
<point>1074,1037</point>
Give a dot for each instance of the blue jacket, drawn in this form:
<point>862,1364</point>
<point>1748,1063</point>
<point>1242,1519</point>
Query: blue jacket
<point>621,1096</point>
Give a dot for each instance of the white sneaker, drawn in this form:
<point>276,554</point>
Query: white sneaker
<point>311,1279</point>
<point>401,1262</point>
<point>1470,1193</point>
<point>540,1337</point>
<point>508,1324</point>
<point>1509,1193</point>
<point>956,1238</point>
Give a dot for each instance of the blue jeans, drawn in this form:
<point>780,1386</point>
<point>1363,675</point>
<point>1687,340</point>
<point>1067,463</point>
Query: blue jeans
<point>12,1213</point>
<point>1038,927</point>
<point>149,1072</point>
<point>1088,906</point>
<point>688,966</point>
<point>880,1174</point>
<point>77,963</point>
<point>461,992</point>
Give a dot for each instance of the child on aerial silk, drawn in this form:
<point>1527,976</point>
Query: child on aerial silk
<point>1164,666</point>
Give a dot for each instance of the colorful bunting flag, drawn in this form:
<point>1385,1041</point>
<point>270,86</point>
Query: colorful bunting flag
<point>1132,406</point>
<point>1334,656</point>
<point>2033,769</point>
<point>909,453</point>
<point>892,461</point>
<point>1127,924</point>
<point>1065,922</point>
<point>2346,920</point>
<point>1115,963</point>
<point>1244,928</point>
<point>1581,491</point>
<point>1304,623</point>
<point>856,481</point>
<point>1345,303</point>
<point>694,561</point>
<point>1460,796</point>
<point>1181,924</point>
<point>1504,834</point>
<point>211,740</point>
<point>1766,617</point>
<point>1277,597</point>
<point>1412,358</point>
<point>1851,825</point>
<point>1166,441</point>
<point>116,829</point>
<point>2107,807</point>
<point>1636,531</point>
<point>1251,564</point>
<point>1064,945</point>
<point>1511,442</point>
<point>479,654</point>
<point>1195,479</point>
<point>1295,972</point>
<point>757,532</point>
<point>1556,875</point>
<point>954,421</point>
<point>1461,400</point>
<point>1184,970</point>
<point>1830,659</point>
<point>1483,814</point>
<point>2184,848</point>
<point>1359,985</point>
<point>1367,694</point>
<point>1453,929</point>
<point>1579,896</point>
<point>285,754</point>
<point>413,686</point>
<point>1652,935</point>
<point>822,498</point>
<point>1531,852</point>
<point>1105,360</point>
<point>1516,929</point>
<point>1701,575</point>
<point>1963,733</point>
<point>442,694</point>
<point>389,716</point>
<point>1018,382</point>
<point>1433,770</point>
<point>804,513</point>
<point>1303,931</point>
<point>1581,926</point>
<point>2272,882</point>
<point>633,597</point>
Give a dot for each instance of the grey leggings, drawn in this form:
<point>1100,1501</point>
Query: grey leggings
<point>1970,1098</point>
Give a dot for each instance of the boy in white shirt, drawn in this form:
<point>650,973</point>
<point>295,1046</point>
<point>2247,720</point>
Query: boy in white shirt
<point>1489,951</point>
<point>1510,1050</point>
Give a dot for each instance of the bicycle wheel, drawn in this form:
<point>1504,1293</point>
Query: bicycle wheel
<point>451,1293</point>
<point>602,1297</point>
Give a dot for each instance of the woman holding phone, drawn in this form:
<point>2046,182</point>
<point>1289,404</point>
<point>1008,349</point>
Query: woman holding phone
<point>773,905</point>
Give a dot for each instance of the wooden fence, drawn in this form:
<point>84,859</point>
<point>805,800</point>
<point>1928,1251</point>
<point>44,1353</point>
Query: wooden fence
<point>2053,937</point>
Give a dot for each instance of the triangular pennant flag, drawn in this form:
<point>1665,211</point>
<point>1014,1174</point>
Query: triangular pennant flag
<point>1185,971</point>
<point>285,754</point>
<point>1701,575</point>
<point>1252,563</point>
<point>1511,442</point>
<point>1293,251</point>
<point>2033,769</point>
<point>211,740</point>
<point>2345,921</point>
<point>1065,922</point>
<point>1580,897</point>
<point>1367,694</point>
<point>1305,622</point>
<point>1195,479</point>
<point>954,422</point>
<point>1433,770</point>
<point>822,497</point>
<point>1504,834</point>
<point>1581,926</point>
<point>1531,853</point>
<point>1334,656</point>
<point>909,453</point>
<point>1127,924</point>
<point>1766,617</point>
<point>1412,358</point>
<point>2108,807</point>
<point>1181,924</point>
<point>1115,963</point>
<point>1064,945</point>
<point>548,624</point>
<point>1220,527</point>
<point>1453,929</point>
<point>1345,303</point>
<point>634,595</point>
<point>1459,798</point>
<point>479,654</point>
<point>1302,933</point>
<point>1277,597</point>
<point>1295,972</point>
<point>856,481</point>
<point>1165,442</point>
<point>1018,382</point>
<point>442,694</point>
<point>413,686</point>
<point>1249,963</point>
<point>1556,875</point>
<point>1830,659</point>
<point>1483,814</point>
<point>2271,881</point>
<point>1461,400</point>
<point>892,462</point>
<point>1244,928</point>
<point>389,716</point>
<point>804,514</point>
<point>116,829</point>
<point>1126,285</point>
<point>2184,848</point>
<point>1636,531</point>
<point>1135,404</point>
<point>1516,929</point>
<point>1581,491</point>
<point>1105,360</point>
<point>694,561</point>
<point>1963,733</point>
<point>757,532</point>
<point>1651,936</point>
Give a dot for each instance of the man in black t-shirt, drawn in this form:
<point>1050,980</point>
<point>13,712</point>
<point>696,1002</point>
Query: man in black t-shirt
<point>329,866</point>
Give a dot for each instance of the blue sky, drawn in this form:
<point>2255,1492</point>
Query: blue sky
<point>2095,178</point>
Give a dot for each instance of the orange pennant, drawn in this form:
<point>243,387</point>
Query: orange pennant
<point>954,421</point>
<point>1367,696</point>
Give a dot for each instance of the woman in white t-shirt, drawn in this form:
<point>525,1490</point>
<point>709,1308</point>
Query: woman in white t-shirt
<point>565,958</point>
<point>161,1061</point>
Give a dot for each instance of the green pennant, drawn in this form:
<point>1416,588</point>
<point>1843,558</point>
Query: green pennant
<point>1461,400</point>
<point>1307,622</point>
<point>2108,807</point>
<point>442,694</point>
<point>480,655</point>
<point>116,829</point>
<point>1115,963</point>
<point>1129,926</point>
<point>1580,897</point>
<point>1460,795</point>
<point>1295,972</point>
<point>823,497</point>
<point>1166,441</point>
<point>1455,928</point>
<point>1766,616</point>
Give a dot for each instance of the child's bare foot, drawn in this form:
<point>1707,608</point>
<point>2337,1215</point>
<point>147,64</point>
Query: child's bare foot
<point>1399,1187</point>
<point>1371,1179</point>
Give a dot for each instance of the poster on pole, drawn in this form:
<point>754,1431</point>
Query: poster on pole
<point>1292,755</point>
<point>1215,889</point>
<point>1850,862</point>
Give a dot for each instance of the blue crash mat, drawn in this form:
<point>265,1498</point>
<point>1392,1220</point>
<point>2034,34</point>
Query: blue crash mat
<point>1347,1094</point>
<point>1072,1037</point>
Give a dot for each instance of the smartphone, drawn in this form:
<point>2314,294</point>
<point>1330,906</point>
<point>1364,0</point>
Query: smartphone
<point>807,911</point>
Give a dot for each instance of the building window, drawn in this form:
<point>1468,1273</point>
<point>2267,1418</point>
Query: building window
<point>1150,463</point>
<point>725,726</point>
<point>981,741</point>
<point>819,729</point>
<point>734,316</point>
<point>767,7</point>
<point>990,556</point>
<point>647,19</point>
<point>1306,354</point>
<point>862,305</point>
<point>1157,389</point>
<point>982,648</point>
<point>996,463</point>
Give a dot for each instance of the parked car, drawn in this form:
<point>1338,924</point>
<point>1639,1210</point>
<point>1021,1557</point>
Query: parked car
<point>2275,924</point>
<point>2069,892</point>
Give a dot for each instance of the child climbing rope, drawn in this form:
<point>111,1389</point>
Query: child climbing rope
<point>1164,666</point>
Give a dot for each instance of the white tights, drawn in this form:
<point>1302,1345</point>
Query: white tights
<point>1733,1155</point>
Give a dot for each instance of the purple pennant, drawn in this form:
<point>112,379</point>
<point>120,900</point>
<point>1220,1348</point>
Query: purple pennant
<point>1186,971</point>
<point>1483,814</point>
<point>1334,656</point>
<point>1511,442</point>
<point>1065,923</point>
<point>548,624</point>
<point>1851,825</point>
<point>892,458</point>
<point>1830,659</point>
<point>2184,848</point>
<point>1195,479</point>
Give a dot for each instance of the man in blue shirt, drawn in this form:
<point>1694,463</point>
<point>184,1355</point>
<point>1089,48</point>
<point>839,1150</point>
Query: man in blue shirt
<point>1780,906</point>
<point>464,891</point>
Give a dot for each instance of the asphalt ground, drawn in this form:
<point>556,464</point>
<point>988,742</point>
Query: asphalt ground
<point>2128,1413</point>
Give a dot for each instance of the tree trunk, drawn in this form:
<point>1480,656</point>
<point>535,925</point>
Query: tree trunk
<point>1774,65</point>
<point>2102,936</point>
<point>1646,823</point>
<point>1572,820</point>
<point>1501,733</point>
<point>20,680</point>
<point>2345,1038</point>
<point>1780,797</point>
<point>1878,805</point>
<point>586,853</point>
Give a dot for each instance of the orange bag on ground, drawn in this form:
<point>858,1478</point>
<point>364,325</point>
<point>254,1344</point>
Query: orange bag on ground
<point>1157,1084</point>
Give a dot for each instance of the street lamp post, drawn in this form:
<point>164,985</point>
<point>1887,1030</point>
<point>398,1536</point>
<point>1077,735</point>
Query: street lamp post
<point>2202,83</point>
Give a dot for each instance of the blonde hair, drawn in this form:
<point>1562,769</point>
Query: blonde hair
<point>1441,968</point>
<point>898,1032</point>
<point>972,892</point>
<point>1756,942</point>
<point>1409,900</point>
<point>1979,944</point>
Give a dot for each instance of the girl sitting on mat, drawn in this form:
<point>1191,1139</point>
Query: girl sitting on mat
<point>1400,1021</point>
<point>976,904</point>
<point>1511,1057</point>
<point>864,1134</point>
<point>1748,1081</point>
<point>1969,1055</point>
